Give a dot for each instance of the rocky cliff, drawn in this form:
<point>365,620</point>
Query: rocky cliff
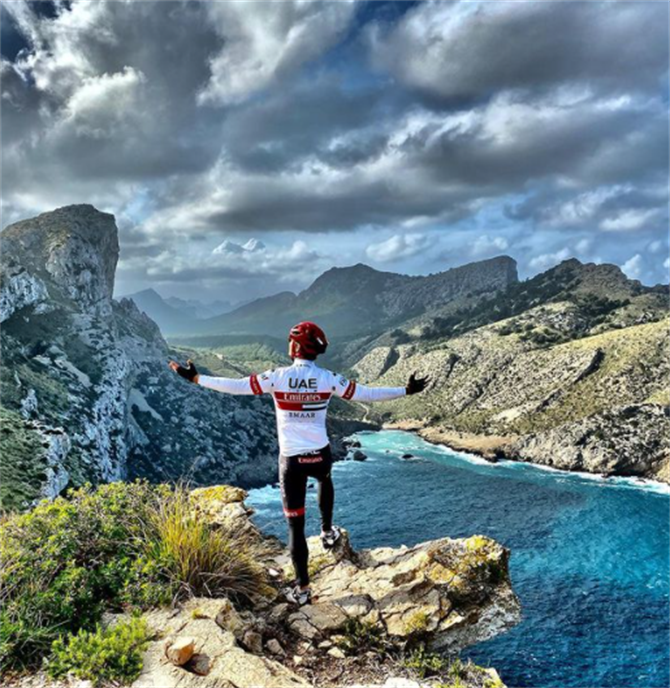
<point>86,392</point>
<point>392,617</point>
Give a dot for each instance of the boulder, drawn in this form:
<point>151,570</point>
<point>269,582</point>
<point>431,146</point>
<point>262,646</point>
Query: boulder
<point>358,455</point>
<point>180,650</point>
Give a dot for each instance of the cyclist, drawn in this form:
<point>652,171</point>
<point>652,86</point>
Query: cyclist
<point>301,393</point>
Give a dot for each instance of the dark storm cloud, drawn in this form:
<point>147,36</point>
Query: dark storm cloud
<point>113,104</point>
<point>240,117</point>
<point>282,130</point>
<point>471,50</point>
<point>438,166</point>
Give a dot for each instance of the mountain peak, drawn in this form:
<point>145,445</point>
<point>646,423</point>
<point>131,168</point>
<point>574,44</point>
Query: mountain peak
<point>75,249</point>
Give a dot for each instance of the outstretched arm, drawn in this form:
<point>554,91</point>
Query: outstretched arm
<point>350,389</point>
<point>245,385</point>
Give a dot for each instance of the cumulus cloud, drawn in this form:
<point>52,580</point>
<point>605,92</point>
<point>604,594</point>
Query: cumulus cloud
<point>228,247</point>
<point>251,263</point>
<point>194,122</point>
<point>548,260</point>
<point>469,50</point>
<point>398,246</point>
<point>262,42</point>
<point>486,245</point>
<point>633,266</point>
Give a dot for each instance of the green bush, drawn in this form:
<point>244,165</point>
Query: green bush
<point>424,663</point>
<point>122,546</point>
<point>102,655</point>
<point>360,636</point>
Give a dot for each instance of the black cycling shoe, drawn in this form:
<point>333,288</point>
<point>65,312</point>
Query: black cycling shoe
<point>330,538</point>
<point>296,596</point>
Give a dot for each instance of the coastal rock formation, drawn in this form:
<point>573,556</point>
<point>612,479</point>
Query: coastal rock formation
<point>86,377</point>
<point>379,617</point>
<point>371,609</point>
<point>579,383</point>
<point>630,440</point>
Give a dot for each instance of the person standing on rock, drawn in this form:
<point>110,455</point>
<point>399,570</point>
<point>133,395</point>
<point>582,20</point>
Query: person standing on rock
<point>301,393</point>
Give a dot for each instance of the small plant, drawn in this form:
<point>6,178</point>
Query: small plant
<point>317,563</point>
<point>102,655</point>
<point>462,674</point>
<point>417,623</point>
<point>359,636</point>
<point>425,663</point>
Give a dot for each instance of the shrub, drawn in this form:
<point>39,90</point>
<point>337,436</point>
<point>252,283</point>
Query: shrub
<point>359,636</point>
<point>199,560</point>
<point>102,655</point>
<point>120,546</point>
<point>425,663</point>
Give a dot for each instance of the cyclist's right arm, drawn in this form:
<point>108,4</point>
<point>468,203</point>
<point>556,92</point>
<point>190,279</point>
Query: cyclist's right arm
<point>254,384</point>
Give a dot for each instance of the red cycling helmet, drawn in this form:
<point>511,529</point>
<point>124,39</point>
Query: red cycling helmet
<point>307,341</point>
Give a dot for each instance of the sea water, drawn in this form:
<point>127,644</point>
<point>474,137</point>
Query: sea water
<point>589,562</point>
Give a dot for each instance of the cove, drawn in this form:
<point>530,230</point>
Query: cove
<point>590,557</point>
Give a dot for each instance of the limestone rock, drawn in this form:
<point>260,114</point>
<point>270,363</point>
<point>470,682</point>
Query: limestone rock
<point>253,641</point>
<point>315,620</point>
<point>217,651</point>
<point>274,646</point>
<point>105,361</point>
<point>457,592</point>
<point>180,650</point>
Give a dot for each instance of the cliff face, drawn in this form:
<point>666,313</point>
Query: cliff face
<point>86,376</point>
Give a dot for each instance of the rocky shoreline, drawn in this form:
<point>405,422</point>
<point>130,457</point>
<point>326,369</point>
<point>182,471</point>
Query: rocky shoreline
<point>493,448</point>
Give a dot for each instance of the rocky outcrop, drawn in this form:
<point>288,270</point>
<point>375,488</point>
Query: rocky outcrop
<point>74,249</point>
<point>383,616</point>
<point>371,609</point>
<point>90,373</point>
<point>19,290</point>
<point>630,440</point>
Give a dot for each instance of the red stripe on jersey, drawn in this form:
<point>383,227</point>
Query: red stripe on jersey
<point>255,386</point>
<point>350,390</point>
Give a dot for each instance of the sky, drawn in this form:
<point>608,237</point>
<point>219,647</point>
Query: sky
<point>246,147</point>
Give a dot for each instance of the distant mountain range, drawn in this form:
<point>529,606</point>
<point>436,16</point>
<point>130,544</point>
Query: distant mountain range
<point>349,301</point>
<point>174,315</point>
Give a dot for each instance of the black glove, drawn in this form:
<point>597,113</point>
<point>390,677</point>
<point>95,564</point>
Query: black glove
<point>416,384</point>
<point>188,373</point>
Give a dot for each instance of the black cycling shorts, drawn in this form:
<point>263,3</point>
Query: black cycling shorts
<point>293,474</point>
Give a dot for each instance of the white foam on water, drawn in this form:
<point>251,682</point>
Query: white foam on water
<point>613,482</point>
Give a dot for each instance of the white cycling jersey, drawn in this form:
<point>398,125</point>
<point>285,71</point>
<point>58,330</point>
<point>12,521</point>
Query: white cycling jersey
<point>301,394</point>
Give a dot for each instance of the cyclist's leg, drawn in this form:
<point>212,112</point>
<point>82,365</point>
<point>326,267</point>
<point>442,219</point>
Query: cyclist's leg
<point>326,491</point>
<point>293,481</point>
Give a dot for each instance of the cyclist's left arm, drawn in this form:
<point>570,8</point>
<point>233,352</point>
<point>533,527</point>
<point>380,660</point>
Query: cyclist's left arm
<point>352,390</point>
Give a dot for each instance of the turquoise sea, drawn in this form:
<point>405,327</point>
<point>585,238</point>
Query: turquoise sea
<point>590,557</point>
